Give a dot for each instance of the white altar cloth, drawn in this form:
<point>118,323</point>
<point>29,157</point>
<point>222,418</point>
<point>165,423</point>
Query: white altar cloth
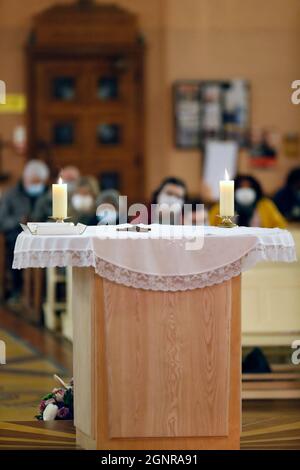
<point>168,258</point>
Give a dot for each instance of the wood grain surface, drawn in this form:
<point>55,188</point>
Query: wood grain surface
<point>83,357</point>
<point>144,376</point>
<point>168,359</point>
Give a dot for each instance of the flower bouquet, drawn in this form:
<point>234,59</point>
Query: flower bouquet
<point>58,404</point>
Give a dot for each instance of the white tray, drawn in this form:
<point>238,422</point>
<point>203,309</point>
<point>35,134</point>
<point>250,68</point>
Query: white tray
<point>53,228</point>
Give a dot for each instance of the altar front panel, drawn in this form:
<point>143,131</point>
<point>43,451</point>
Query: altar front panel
<point>168,361</point>
<point>164,370</point>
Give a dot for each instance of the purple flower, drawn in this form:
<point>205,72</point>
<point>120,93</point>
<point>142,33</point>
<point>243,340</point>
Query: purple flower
<point>42,405</point>
<point>63,413</point>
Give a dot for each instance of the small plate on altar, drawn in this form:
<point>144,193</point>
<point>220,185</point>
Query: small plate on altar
<point>53,228</point>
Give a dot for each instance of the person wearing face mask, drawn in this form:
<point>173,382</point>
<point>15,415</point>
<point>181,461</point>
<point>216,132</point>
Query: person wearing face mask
<point>287,199</point>
<point>108,207</point>
<point>169,199</point>
<point>17,206</point>
<point>252,207</point>
<point>70,175</point>
<point>83,201</point>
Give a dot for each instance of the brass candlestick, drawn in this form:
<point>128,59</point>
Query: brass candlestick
<point>227,221</point>
<point>59,220</point>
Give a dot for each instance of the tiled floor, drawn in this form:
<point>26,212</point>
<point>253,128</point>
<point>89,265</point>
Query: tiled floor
<point>25,379</point>
<point>37,435</point>
<point>271,424</point>
<point>266,425</point>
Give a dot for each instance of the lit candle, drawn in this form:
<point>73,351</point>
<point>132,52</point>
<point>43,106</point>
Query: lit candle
<point>227,197</point>
<point>60,200</point>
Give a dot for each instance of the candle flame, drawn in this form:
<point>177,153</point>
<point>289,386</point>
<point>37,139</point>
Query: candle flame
<point>60,181</point>
<point>226,175</point>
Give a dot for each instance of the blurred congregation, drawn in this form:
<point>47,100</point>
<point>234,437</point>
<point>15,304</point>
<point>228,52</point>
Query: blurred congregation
<point>152,101</point>
<point>30,200</point>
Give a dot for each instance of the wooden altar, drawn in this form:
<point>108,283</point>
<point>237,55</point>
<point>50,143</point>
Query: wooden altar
<point>157,365</point>
<point>156,370</point>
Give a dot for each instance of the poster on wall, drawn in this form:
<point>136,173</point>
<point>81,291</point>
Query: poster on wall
<point>210,109</point>
<point>187,114</point>
<point>219,155</point>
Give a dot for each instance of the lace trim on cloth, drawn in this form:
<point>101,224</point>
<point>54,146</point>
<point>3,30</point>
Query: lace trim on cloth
<point>120,275</point>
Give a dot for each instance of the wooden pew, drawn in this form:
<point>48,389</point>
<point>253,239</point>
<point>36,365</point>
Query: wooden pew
<point>33,295</point>
<point>32,291</point>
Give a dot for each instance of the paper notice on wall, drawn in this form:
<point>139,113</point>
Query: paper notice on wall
<point>15,103</point>
<point>219,155</point>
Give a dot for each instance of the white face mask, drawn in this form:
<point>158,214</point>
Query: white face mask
<point>82,203</point>
<point>245,196</point>
<point>173,202</point>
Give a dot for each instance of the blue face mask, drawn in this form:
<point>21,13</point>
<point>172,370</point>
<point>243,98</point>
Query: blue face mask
<point>35,189</point>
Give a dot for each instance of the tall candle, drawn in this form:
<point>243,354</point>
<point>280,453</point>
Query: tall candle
<point>60,200</point>
<point>227,196</point>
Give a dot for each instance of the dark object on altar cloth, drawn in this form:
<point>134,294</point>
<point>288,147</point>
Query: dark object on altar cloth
<point>134,228</point>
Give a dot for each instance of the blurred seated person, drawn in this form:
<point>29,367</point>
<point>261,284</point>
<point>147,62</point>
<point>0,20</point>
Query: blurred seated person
<point>197,213</point>
<point>253,209</point>
<point>43,210</point>
<point>70,175</point>
<point>169,199</point>
<point>108,207</point>
<point>82,208</point>
<point>17,206</point>
<point>287,199</point>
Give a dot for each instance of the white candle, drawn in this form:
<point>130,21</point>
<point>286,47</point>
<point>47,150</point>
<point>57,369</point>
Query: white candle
<point>60,200</point>
<point>227,197</point>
